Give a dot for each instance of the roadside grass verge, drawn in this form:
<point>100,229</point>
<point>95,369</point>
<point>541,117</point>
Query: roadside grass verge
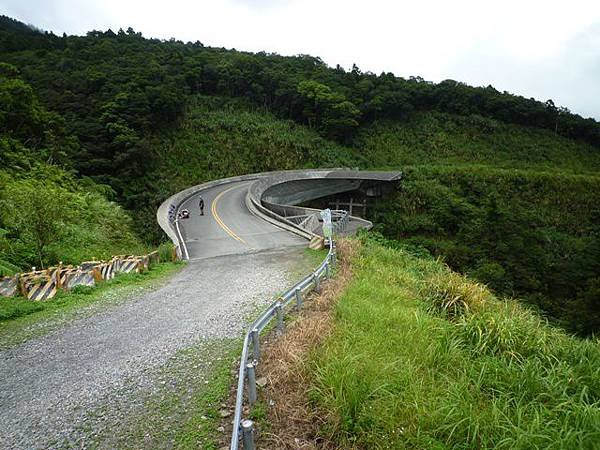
<point>283,416</point>
<point>201,430</point>
<point>421,357</point>
<point>18,316</point>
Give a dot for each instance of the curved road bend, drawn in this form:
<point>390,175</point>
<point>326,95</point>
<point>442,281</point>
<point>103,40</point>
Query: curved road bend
<point>80,386</point>
<point>227,226</point>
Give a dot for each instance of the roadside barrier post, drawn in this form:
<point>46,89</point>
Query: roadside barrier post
<point>248,434</point>
<point>248,362</point>
<point>279,309</point>
<point>251,374</point>
<point>256,344</point>
<point>298,298</point>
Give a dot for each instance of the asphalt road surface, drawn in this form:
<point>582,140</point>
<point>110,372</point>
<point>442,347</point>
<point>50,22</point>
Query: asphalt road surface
<point>227,226</point>
<point>75,387</point>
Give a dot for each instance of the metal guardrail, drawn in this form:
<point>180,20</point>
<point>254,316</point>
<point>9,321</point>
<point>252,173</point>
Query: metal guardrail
<point>312,221</point>
<point>249,360</point>
<point>340,220</point>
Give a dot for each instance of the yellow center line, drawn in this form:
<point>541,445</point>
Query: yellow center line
<point>215,214</point>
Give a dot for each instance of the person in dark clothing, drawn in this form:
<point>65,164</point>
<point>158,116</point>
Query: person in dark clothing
<point>201,206</point>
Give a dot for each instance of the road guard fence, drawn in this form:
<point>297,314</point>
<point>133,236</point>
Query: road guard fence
<point>44,284</point>
<point>243,428</point>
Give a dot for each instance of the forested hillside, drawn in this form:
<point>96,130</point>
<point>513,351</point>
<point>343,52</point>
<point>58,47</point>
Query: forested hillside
<point>515,207</point>
<point>503,187</point>
<point>46,213</point>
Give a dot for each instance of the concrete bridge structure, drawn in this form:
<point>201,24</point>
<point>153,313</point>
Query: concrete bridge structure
<point>268,210</point>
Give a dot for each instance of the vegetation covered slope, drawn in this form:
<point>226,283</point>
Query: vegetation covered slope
<point>503,187</point>
<point>421,357</point>
<point>222,136</point>
<point>440,138</point>
<point>514,207</point>
<point>46,214</point>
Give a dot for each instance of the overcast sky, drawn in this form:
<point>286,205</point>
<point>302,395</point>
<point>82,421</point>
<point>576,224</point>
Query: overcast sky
<point>542,49</point>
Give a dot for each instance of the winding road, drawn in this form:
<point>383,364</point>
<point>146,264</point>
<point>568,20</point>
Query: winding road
<point>227,226</point>
<point>80,385</point>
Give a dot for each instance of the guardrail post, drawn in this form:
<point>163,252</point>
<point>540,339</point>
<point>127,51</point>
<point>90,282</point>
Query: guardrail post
<point>248,434</point>
<point>327,270</point>
<point>256,344</point>
<point>251,375</point>
<point>279,309</point>
<point>332,256</point>
<point>298,298</point>
<point>317,283</point>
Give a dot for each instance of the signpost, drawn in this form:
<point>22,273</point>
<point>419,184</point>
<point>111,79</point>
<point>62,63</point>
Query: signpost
<point>327,225</point>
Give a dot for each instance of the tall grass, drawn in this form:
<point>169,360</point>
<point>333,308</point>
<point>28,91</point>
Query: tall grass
<point>441,138</point>
<point>222,137</point>
<point>401,372</point>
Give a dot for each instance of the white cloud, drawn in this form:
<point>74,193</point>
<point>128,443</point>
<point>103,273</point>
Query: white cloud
<point>535,48</point>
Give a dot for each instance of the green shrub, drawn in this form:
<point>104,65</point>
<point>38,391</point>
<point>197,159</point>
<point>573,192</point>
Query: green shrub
<point>165,251</point>
<point>83,290</point>
<point>11,308</point>
<point>47,216</point>
<point>452,294</point>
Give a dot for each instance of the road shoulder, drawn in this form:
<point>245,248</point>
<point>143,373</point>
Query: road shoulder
<point>65,308</point>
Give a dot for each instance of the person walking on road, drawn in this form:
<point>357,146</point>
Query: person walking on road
<point>201,206</point>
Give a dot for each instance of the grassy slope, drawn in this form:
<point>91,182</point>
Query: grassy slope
<point>406,369</point>
<point>438,138</point>
<point>223,137</point>
<point>516,208</point>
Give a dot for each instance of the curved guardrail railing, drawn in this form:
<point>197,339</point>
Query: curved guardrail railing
<point>244,428</point>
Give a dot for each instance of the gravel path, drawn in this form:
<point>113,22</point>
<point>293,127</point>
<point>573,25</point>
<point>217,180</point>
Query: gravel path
<point>51,384</point>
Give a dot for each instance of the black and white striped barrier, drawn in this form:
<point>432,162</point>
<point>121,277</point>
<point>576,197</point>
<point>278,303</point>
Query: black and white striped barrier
<point>9,286</point>
<point>129,265</point>
<point>44,284</point>
<point>106,270</point>
<point>39,287</point>
<point>79,277</point>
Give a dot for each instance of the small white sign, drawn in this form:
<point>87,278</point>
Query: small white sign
<point>327,226</point>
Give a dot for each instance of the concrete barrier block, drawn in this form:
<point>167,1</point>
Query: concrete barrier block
<point>9,286</point>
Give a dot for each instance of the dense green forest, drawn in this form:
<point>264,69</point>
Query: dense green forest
<point>503,187</point>
<point>515,207</point>
<point>47,214</point>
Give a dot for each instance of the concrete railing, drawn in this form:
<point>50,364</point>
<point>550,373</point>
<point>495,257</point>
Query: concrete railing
<point>265,182</point>
<point>254,205</point>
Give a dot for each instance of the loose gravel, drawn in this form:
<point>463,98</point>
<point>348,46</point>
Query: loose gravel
<point>73,386</point>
